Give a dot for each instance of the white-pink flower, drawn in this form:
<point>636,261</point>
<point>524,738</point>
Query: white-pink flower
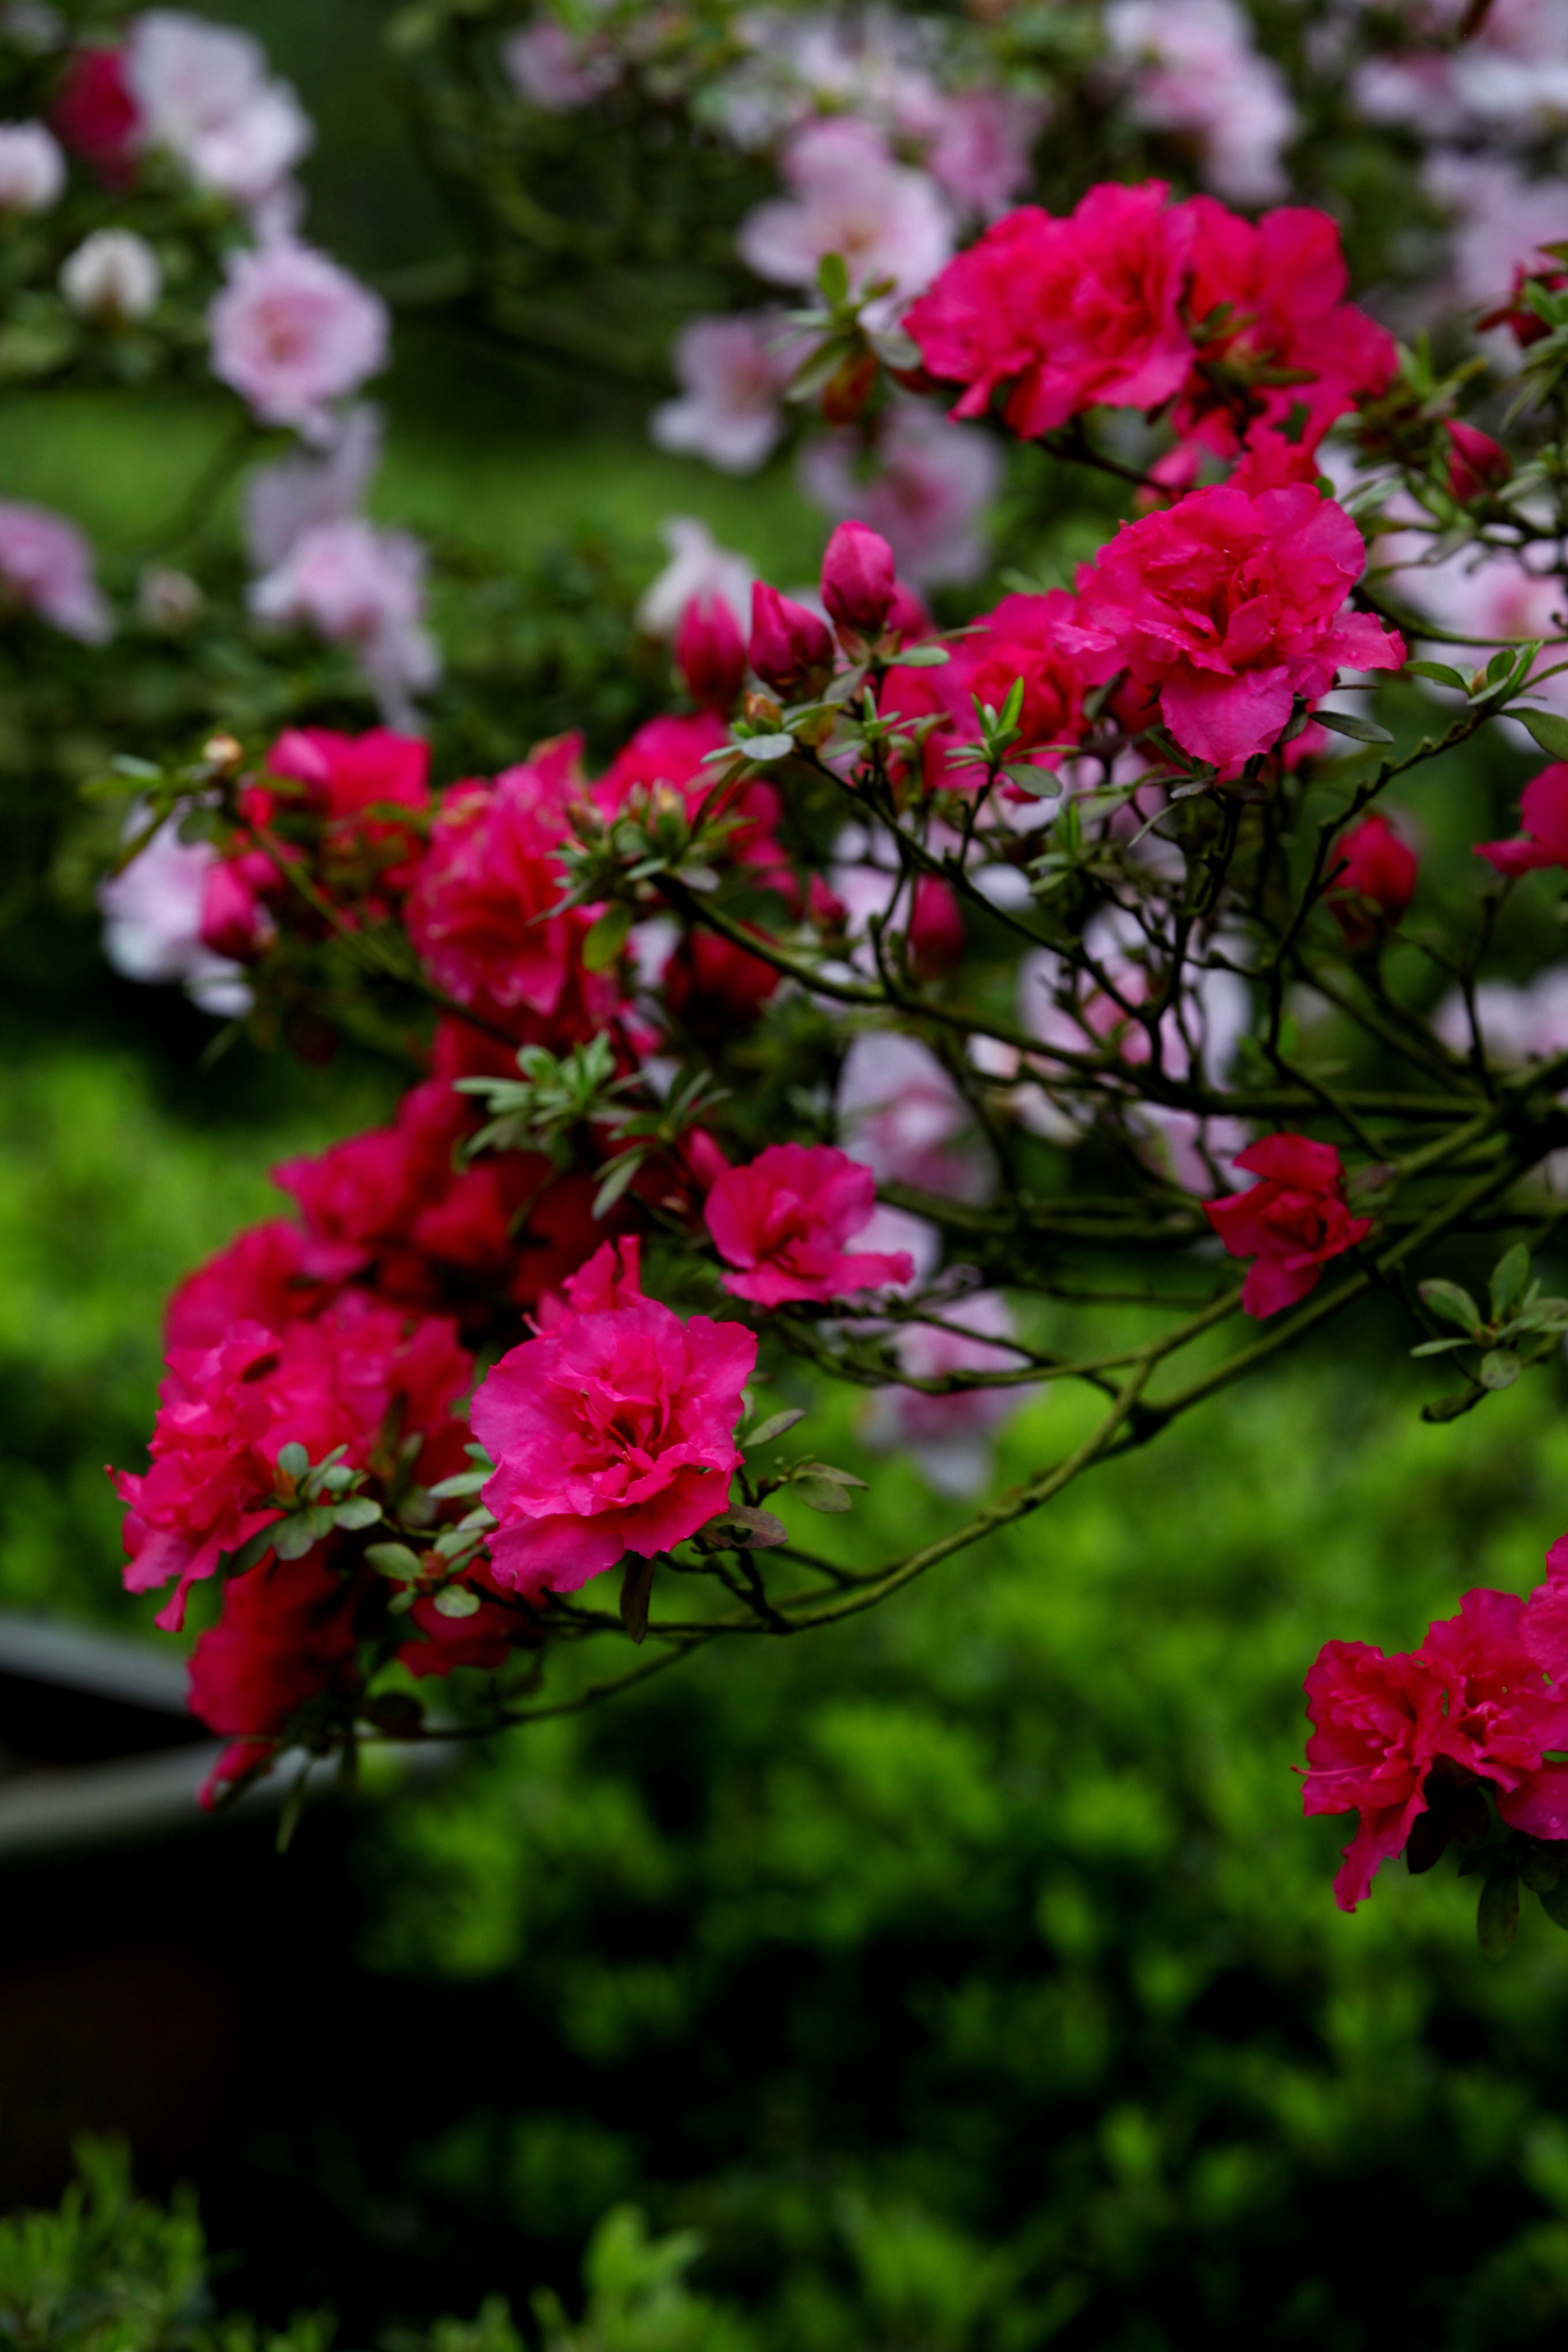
<point>1501,220</point>
<point>292,332</point>
<point>113,276</point>
<point>292,495</point>
<point>932,483</point>
<point>949,1436</point>
<point>555,70</point>
<point>981,150</point>
<point>849,197</point>
<point>1193,70</point>
<point>32,168</point>
<point>365,588</point>
<point>46,568</point>
<point>732,376</point>
<point>152,921</point>
<point>204,94</point>
<point>901,1113</point>
<point>1509,77</point>
<point>698,566</point>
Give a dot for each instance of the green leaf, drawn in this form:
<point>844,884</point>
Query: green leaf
<point>621,1172</point>
<point>394,1559</point>
<point>360,1511</point>
<point>467,1482</point>
<point>767,748</point>
<point>1497,1914</point>
<point>920,658</point>
<point>829,1470</point>
<point>774,1426</point>
<point>1452,1304</point>
<point>1509,1278</point>
<point>1438,1347</point>
<point>293,1537</point>
<point>833,277</point>
<point>608,937</point>
<point>1554,1902</point>
<point>293,1461</point>
<point>1350,722</point>
<point>456,1600</point>
<point>1440,673</point>
<point>820,1494</point>
<point>1499,1368</point>
<point>1549,731</point>
<point>753,1529</point>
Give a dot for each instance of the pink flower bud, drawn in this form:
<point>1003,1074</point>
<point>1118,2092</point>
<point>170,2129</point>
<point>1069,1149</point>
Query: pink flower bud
<point>711,653</point>
<point>1476,463</point>
<point>857,580</point>
<point>936,927</point>
<point>791,649</point>
<point>1377,883</point>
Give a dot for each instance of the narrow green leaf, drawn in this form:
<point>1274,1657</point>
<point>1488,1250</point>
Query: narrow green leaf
<point>1454,1305</point>
<point>1440,673</point>
<point>1497,1914</point>
<point>827,1470</point>
<point>774,1426</point>
<point>621,1172</point>
<point>292,1538</point>
<point>467,1482</point>
<point>608,937</point>
<point>1438,1347</point>
<point>359,1511</point>
<point>833,277</point>
<point>1549,731</point>
<point>1554,1902</point>
<point>767,748</point>
<point>920,658</point>
<point>1350,722</point>
<point>1510,1277</point>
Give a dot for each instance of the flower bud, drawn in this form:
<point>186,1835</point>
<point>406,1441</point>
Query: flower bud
<point>1377,883</point>
<point>711,653</point>
<point>858,581</point>
<point>32,168</point>
<point>1476,463</point>
<point>791,649</point>
<point>113,276</point>
<point>936,928</point>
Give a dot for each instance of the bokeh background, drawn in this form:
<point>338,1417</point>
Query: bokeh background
<point>966,1976</point>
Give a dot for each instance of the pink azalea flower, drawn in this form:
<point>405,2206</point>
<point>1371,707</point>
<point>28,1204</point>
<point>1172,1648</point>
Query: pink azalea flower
<point>555,70</point>
<point>261,1277</point>
<point>929,485</point>
<point>1501,219</point>
<point>613,1433</point>
<point>982,152</point>
<point>1067,313</point>
<point>782,1221</point>
<point>948,1437</point>
<point>292,495</point>
<point>152,922</point>
<point>32,168</point>
<point>848,196</point>
<point>292,332</point>
<point>1290,1223</point>
<point>1227,608</point>
<point>901,1113</point>
<point>358,586</point>
<point>1193,70</point>
<point>285,1637</point>
<point>203,92</point>
<point>46,567</point>
<point>731,377</point>
<point>480,914</point>
<point>698,566</point>
<point>1376,883</point>
<point>1543,810</point>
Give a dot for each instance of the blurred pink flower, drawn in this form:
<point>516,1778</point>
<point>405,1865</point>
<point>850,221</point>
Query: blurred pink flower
<point>1193,70</point>
<point>358,586</point>
<point>849,197</point>
<point>1509,77</point>
<point>934,481</point>
<point>731,380</point>
<point>32,168</point>
<point>1501,219</point>
<point>901,1113</point>
<point>113,276</point>
<point>555,70</point>
<point>46,567</point>
<point>983,148</point>
<point>698,566</point>
<point>285,499</point>
<point>152,921</point>
<point>292,332</point>
<point>203,91</point>
<point>949,1436</point>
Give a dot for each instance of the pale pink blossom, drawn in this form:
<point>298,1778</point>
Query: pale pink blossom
<point>555,70</point>
<point>1510,77</point>
<point>1493,594</point>
<point>204,94</point>
<point>732,375</point>
<point>32,168</point>
<point>899,1111</point>
<point>113,276</point>
<point>948,1437</point>
<point>848,196</point>
<point>1500,220</point>
<point>931,483</point>
<point>292,332</point>
<point>980,152</point>
<point>46,568</point>
<point>875,66</point>
<point>365,588</point>
<point>152,921</point>
<point>292,495</point>
<point>1193,70</point>
<point>698,566</point>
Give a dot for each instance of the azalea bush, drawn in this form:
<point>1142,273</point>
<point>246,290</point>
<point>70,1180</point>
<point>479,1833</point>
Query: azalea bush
<point>1040,984</point>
